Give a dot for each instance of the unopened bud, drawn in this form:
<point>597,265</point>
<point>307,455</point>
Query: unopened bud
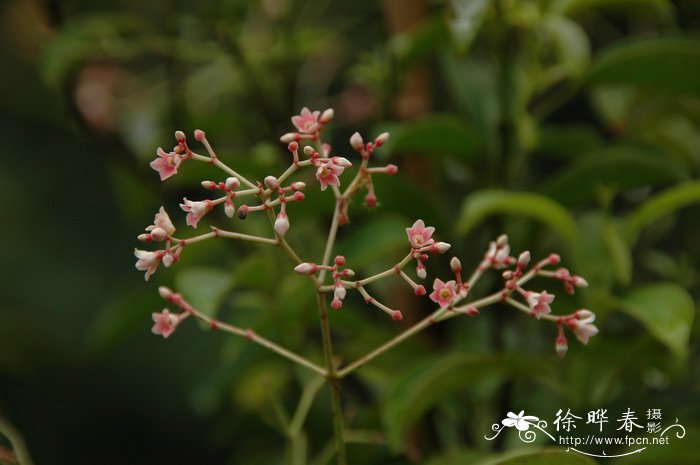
<point>440,247</point>
<point>524,259</point>
<point>158,234</point>
<point>554,259</point>
<point>232,183</point>
<point>290,137</point>
<point>561,346</point>
<point>243,212</point>
<point>168,260</point>
<point>421,272</point>
<point>180,136</point>
<point>339,260</point>
<point>342,161</point>
<point>298,196</point>
<point>396,315</point>
<point>502,240</point>
<point>348,272</point>
<point>165,292</point>
<point>337,304</point>
<point>229,209</point>
<point>381,139</point>
<point>392,169</point>
<point>199,135</point>
<point>578,281</point>
<point>340,292</point>
<point>271,182</point>
<point>297,186</point>
<point>357,142</point>
<point>327,115</point>
<point>293,146</point>
<point>420,290</point>
<point>306,269</point>
<point>281,224</point>
<point>371,200</point>
<point>308,150</point>
<point>456,265</point>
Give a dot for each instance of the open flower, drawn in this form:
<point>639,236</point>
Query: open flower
<point>583,326</point>
<point>148,261</point>
<point>162,220</point>
<point>164,323</point>
<point>195,210</point>
<point>420,236</point>
<point>306,122</point>
<point>520,421</point>
<point>443,293</point>
<point>166,164</point>
<point>539,302</point>
<point>327,174</point>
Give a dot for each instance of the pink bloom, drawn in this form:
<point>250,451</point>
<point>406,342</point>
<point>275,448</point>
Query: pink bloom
<point>583,326</point>
<point>166,164</point>
<point>195,210</point>
<point>148,261</point>
<point>539,302</point>
<point>327,174</point>
<point>162,220</point>
<point>420,236</point>
<point>306,122</point>
<point>443,293</point>
<point>164,323</point>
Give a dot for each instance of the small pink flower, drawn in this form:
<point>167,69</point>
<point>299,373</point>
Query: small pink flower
<point>327,174</point>
<point>306,122</point>
<point>164,323</point>
<point>148,261</point>
<point>166,164</point>
<point>420,236</point>
<point>539,302</point>
<point>443,293</point>
<point>162,220</point>
<point>195,210</point>
<point>583,326</point>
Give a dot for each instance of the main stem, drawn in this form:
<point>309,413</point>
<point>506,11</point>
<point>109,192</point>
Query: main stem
<point>333,381</point>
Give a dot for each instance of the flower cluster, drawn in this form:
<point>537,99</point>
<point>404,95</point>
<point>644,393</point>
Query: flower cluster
<point>238,194</point>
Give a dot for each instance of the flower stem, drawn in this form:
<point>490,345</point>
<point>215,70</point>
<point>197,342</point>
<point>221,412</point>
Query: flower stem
<point>333,380</point>
<point>19,447</point>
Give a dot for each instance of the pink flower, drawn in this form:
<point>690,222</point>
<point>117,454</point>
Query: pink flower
<point>583,326</point>
<point>164,323</point>
<point>443,293</point>
<point>306,122</point>
<point>166,164</point>
<point>539,302</point>
<point>162,220</point>
<point>148,261</point>
<point>327,174</point>
<point>420,236</point>
<point>195,210</point>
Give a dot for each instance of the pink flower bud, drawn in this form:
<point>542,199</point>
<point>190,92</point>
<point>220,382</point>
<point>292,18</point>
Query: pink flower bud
<point>392,169</point>
<point>308,150</point>
<point>232,183</point>
<point>578,281</point>
<point>293,146</point>
<point>342,161</point>
<point>271,182</point>
<point>524,259</point>
<point>339,260</point>
<point>456,265</point>
<point>440,247</point>
<point>229,209</point>
<point>396,315</point>
<point>158,234</point>
<point>327,115</point>
<point>144,237</point>
<point>199,135</point>
<point>421,272</point>
<point>168,260</point>
<point>180,136</point>
<point>340,292</point>
<point>502,240</point>
<point>554,259</point>
<point>298,196</point>
<point>297,186</point>
<point>281,224</point>
<point>290,137</point>
<point>242,211</point>
<point>165,292</point>
<point>209,185</point>
<point>507,274</point>
<point>348,272</point>
<point>561,346</point>
<point>306,269</point>
<point>472,311</point>
<point>356,141</point>
<point>337,304</point>
<point>420,290</point>
<point>381,139</point>
<point>371,200</point>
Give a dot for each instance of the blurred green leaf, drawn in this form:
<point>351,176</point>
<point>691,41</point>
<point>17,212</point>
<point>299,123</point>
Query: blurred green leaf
<point>437,135</point>
<point>618,251</point>
<point>203,287</point>
<point>666,63</point>
<point>466,21</point>
<point>619,167</point>
<point>666,310</point>
<point>571,42</point>
<point>543,457</point>
<point>425,384</point>
<point>568,141</point>
<point>660,205</point>
<point>481,204</point>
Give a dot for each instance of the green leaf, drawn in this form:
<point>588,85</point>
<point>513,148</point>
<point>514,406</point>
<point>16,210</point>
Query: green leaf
<point>466,21</point>
<point>425,384</point>
<point>661,205</point>
<point>568,141</point>
<point>204,288</point>
<point>666,310</point>
<point>618,251</point>
<point>571,42</point>
<point>437,135</point>
<point>619,167</point>
<point>543,457</point>
<point>665,63</point>
<point>481,204</point>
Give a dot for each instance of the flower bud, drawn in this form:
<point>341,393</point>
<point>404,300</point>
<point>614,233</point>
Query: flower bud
<point>396,315</point>
<point>308,150</point>
<point>420,290</point>
<point>165,292</point>
<point>281,224</point>
<point>337,304</point>
<point>168,260</point>
<point>472,311</point>
<point>340,292</point>
<point>502,240</point>
<point>392,169</point>
<point>357,142</point>
<point>271,182</point>
<point>290,137</point>
<point>293,146</point>
<point>348,272</point>
<point>298,196</point>
<point>561,346</point>
<point>524,259</point>
<point>554,259</point>
<point>339,260</point>
<point>199,135</point>
<point>456,265</point>
<point>209,185</point>
<point>578,281</point>
<point>180,136</point>
<point>297,186</point>
<point>232,183</point>
<point>421,272</point>
<point>342,161</point>
<point>371,200</point>
<point>326,116</point>
<point>229,209</point>
<point>381,139</point>
<point>306,269</point>
<point>440,247</point>
<point>158,234</point>
<point>144,237</point>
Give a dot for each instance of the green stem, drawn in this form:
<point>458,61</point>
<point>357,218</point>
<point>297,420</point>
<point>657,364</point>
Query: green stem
<point>333,381</point>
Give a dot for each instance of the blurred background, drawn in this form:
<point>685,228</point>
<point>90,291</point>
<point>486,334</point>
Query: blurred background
<point>571,125</point>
